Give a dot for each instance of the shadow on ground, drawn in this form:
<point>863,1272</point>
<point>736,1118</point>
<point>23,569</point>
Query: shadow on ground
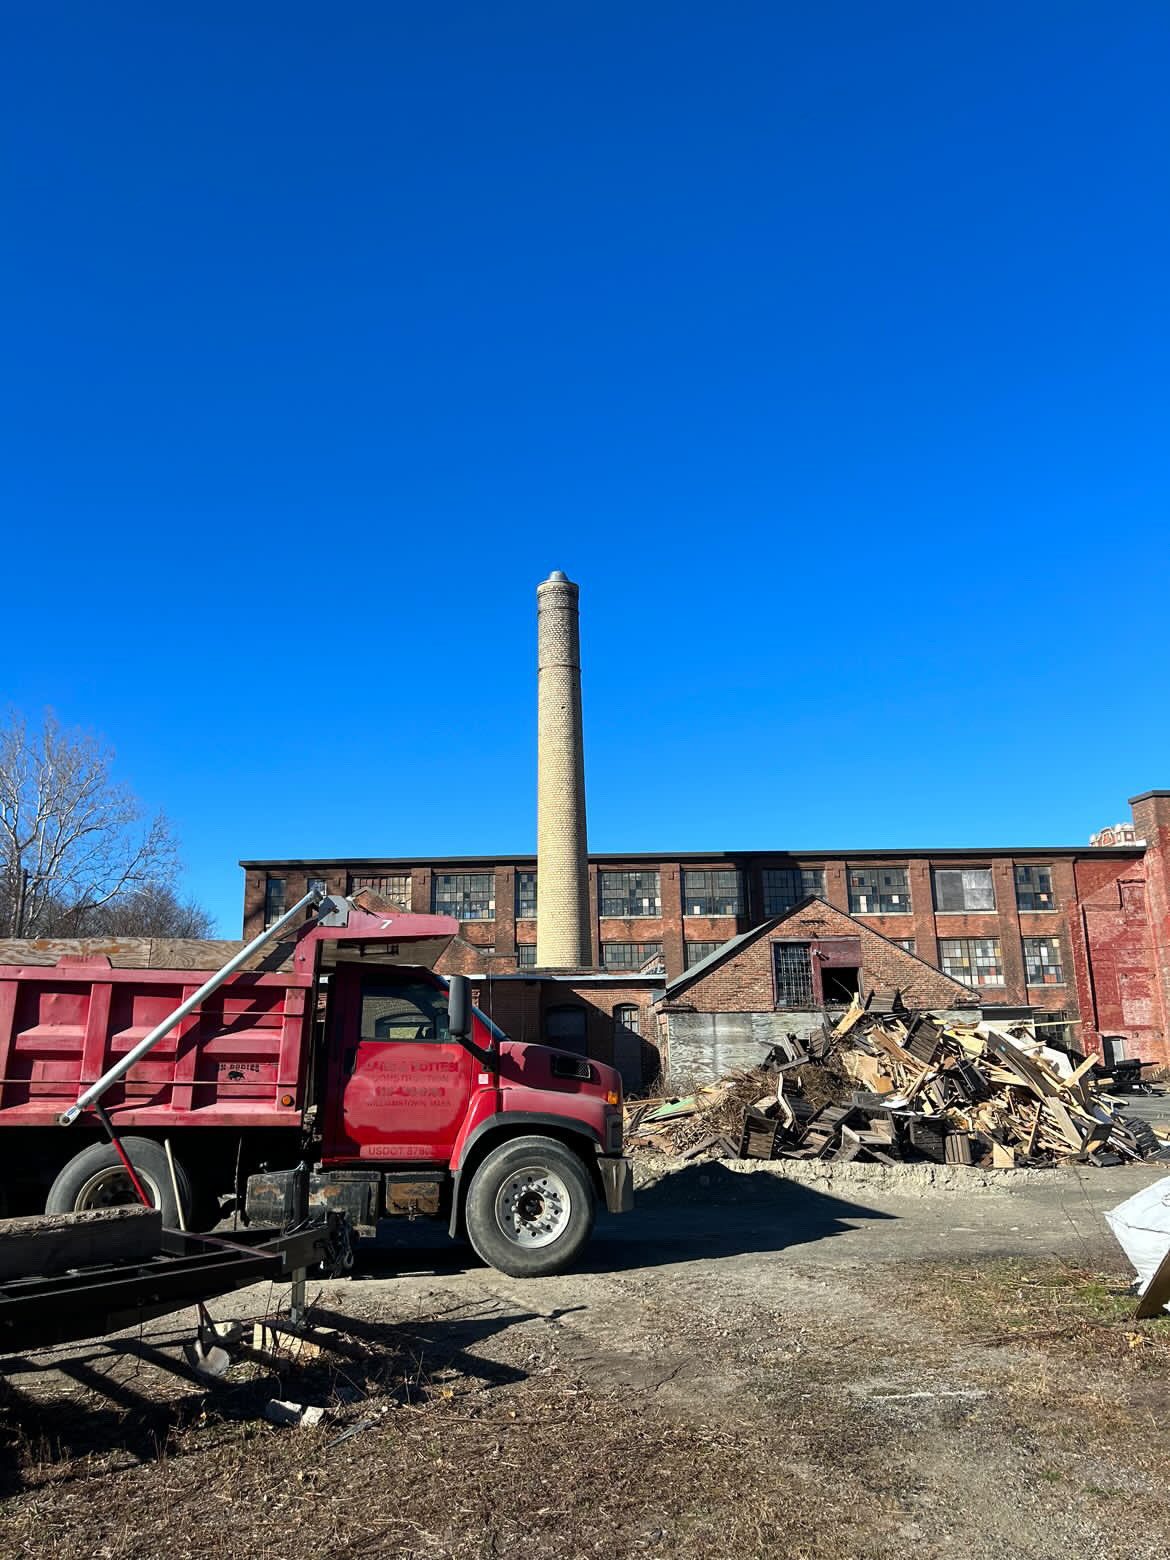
<point>128,1398</point>
<point>697,1214</point>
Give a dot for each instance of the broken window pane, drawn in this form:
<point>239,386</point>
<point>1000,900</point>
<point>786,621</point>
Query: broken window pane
<point>628,956</point>
<point>628,1017</point>
<point>787,886</point>
<point>1052,1027</point>
<point>712,893</point>
<point>878,891</point>
<point>274,900</point>
<point>468,896</point>
<point>525,896</point>
<point>1034,888</point>
<point>628,894</point>
<point>395,887</point>
<point>1043,961</point>
<point>976,961</point>
<point>962,888</point>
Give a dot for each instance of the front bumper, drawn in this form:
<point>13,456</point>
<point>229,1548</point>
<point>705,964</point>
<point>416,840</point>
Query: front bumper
<point>617,1180</point>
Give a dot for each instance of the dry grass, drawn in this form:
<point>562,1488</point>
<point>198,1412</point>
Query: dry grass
<point>1039,1301</point>
<point>474,1439</point>
<point>558,1470</point>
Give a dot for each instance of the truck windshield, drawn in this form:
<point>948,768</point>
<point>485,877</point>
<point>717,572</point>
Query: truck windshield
<point>414,1011</point>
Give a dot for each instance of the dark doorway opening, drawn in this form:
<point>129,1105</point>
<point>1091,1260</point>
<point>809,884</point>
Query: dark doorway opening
<point>840,983</point>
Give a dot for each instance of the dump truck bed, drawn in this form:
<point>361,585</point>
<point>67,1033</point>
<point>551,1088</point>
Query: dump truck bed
<point>240,1059</point>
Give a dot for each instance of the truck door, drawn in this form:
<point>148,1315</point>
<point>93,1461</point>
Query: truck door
<point>398,1086</point>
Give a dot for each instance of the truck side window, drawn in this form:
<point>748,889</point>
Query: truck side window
<point>411,1012</point>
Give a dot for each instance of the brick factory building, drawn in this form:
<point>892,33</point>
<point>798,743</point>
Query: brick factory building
<point>1077,934</point>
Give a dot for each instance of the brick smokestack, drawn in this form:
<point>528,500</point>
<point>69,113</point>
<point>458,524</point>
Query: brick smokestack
<point>562,870</point>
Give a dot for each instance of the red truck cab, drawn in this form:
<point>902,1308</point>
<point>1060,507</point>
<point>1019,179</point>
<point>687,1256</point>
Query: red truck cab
<point>512,1143</point>
<point>346,1075</point>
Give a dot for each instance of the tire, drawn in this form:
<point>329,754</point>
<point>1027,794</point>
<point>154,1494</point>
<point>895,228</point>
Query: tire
<point>96,1178</point>
<point>530,1207</point>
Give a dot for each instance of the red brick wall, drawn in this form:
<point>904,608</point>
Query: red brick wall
<point>744,983</point>
<point>1117,986</point>
<point>1151,816</point>
<point>1071,877</point>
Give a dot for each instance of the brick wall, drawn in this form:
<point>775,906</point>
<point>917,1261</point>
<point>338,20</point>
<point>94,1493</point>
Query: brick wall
<point>1151,817</point>
<point>745,983</point>
<point>1074,876</point>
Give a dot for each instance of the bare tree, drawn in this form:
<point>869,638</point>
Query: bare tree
<point>153,911</point>
<point>73,840</point>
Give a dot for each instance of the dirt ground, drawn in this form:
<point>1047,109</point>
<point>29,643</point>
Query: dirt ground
<point>746,1367</point>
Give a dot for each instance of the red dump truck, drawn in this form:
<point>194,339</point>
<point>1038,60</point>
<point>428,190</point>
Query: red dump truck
<point>356,1080</point>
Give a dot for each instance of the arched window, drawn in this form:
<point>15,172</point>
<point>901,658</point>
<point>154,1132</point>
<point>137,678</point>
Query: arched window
<point>627,1044</point>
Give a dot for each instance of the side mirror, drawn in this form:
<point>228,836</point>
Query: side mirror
<point>459,1007</point>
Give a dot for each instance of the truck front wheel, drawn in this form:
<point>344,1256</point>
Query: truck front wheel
<point>96,1178</point>
<point>530,1207</point>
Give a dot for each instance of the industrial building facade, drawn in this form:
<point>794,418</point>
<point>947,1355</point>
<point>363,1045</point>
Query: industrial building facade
<point>1080,935</point>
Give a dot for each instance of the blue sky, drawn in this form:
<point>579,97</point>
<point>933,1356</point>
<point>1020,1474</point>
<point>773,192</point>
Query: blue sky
<point>825,346</point>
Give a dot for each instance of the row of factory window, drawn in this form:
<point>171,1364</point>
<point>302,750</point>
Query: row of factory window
<point>471,896</point>
<point>872,891</point>
<point>975,961</point>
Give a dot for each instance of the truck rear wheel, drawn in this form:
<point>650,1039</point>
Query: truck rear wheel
<point>96,1178</point>
<point>530,1207</point>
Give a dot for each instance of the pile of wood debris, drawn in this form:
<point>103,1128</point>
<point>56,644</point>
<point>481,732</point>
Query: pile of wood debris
<point>893,1086</point>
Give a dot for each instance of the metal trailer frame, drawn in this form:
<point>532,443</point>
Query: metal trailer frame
<point>89,1302</point>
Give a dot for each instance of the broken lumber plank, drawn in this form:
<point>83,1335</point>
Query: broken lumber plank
<point>848,1148</point>
<point>1073,1135</point>
<point>957,1148</point>
<point>707,1145</point>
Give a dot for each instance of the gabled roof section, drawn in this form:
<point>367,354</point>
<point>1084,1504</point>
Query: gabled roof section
<point>725,951</point>
<point>735,946</point>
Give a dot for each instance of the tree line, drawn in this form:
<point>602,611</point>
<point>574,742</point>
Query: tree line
<point>79,856</point>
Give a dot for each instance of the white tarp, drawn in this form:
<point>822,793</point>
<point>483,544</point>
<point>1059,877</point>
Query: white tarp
<point>1142,1227</point>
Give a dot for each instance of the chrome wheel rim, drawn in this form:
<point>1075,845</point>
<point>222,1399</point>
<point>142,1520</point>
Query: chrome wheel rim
<point>533,1207</point>
<point>113,1188</point>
